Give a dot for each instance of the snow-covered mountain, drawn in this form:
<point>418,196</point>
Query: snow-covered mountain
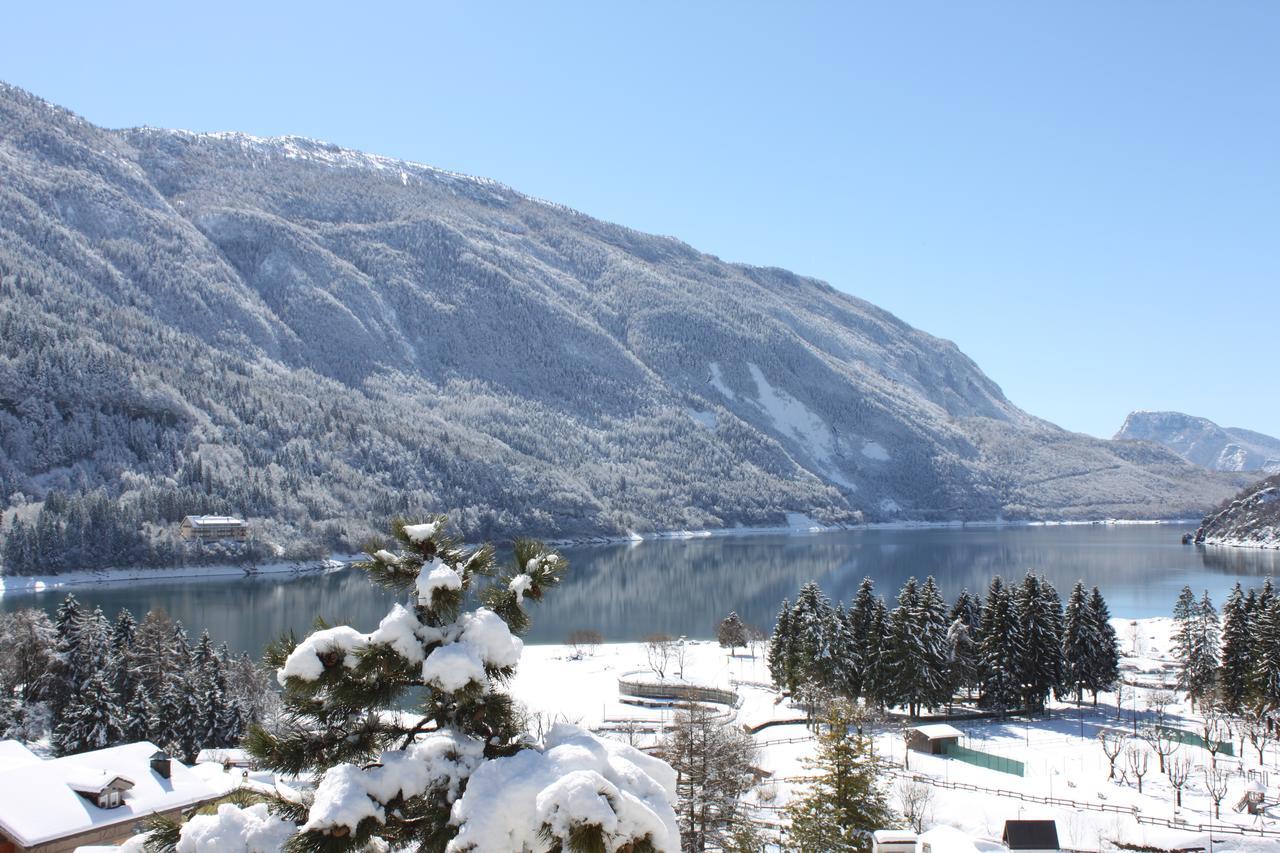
<point>1251,519</point>
<point>322,338</point>
<point>1203,442</point>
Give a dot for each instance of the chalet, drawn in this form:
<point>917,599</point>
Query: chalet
<point>99,797</point>
<point>229,758</point>
<point>211,528</point>
<point>932,738</point>
<point>1031,836</point>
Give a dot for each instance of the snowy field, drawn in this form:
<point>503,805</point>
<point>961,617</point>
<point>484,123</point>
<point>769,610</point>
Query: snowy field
<point>1063,758</point>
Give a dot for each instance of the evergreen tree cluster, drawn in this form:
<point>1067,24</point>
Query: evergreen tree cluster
<point>1014,648</point>
<point>1234,662</point>
<point>94,530</point>
<point>103,683</point>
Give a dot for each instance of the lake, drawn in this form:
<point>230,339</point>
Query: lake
<point>685,586</point>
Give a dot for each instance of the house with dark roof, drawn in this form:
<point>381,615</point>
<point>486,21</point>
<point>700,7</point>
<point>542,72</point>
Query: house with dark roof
<point>1031,836</point>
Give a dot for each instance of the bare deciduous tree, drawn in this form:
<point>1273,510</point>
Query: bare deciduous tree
<point>1162,741</point>
<point>1137,759</point>
<point>585,642</point>
<point>714,764</point>
<point>1215,729</point>
<point>1257,728</point>
<point>658,649</point>
<point>1215,782</point>
<point>1159,702</point>
<point>1113,742</point>
<point>916,799</point>
<point>1179,773</point>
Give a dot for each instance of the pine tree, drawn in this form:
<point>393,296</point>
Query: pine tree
<point>464,735</point>
<point>906,682</point>
<point>90,720</point>
<point>65,681</point>
<point>1078,641</point>
<point>931,627</point>
<point>846,658</point>
<point>1197,646</point>
<point>1236,671</point>
<point>998,650</point>
<point>809,651</point>
<point>778,658</point>
<point>1103,669</point>
<point>865,637</point>
<point>845,802</point>
<point>1039,640</point>
<point>1266,634</point>
<point>1184,613</point>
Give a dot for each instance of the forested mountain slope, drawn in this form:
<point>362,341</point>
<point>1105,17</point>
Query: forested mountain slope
<point>1251,519</point>
<point>318,338</point>
<point>1203,442</point>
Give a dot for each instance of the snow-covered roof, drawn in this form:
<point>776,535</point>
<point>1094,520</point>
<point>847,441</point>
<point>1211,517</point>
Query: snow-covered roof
<point>937,731</point>
<point>14,753</point>
<point>39,804</point>
<point>224,756</point>
<point>212,520</point>
<point>948,839</point>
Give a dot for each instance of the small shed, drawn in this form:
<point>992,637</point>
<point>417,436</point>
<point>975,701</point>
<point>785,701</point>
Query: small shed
<point>1034,836</point>
<point>932,738</point>
<point>893,841</point>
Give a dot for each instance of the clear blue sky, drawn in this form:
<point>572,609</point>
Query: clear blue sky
<point>1084,196</point>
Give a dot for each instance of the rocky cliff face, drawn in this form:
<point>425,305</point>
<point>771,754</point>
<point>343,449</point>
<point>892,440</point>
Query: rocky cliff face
<point>321,337</point>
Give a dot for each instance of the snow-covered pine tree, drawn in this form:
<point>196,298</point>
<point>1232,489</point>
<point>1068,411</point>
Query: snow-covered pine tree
<point>732,632</point>
<point>65,677</point>
<point>1103,669</point>
<point>1236,670</point>
<point>459,771</point>
<point>876,671</point>
<point>809,651</point>
<point>845,802</point>
<point>1039,640</point>
<point>123,678</point>
<point>1199,669</point>
<point>778,658</point>
<point>1078,641</point>
<point>998,649</point>
<point>906,683</point>
<point>967,608</point>
<point>864,636</point>
<point>845,661</point>
<point>1183,634</point>
<point>186,724</point>
<point>90,720</point>
<point>931,627</point>
<point>1266,637</point>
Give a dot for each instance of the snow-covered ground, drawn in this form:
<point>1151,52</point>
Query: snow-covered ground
<point>1062,756</point>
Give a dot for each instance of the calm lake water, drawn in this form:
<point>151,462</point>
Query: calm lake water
<point>628,591</point>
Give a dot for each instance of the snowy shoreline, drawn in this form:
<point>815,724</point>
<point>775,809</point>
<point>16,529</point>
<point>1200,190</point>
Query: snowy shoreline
<point>33,584</point>
<point>804,525</point>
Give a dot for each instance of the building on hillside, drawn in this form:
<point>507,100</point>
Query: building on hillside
<point>211,528</point>
<point>1031,836</point>
<point>100,797</point>
<point>932,738</point>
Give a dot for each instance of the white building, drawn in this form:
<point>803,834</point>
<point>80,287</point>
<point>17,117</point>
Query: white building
<point>100,797</point>
<point>208,528</point>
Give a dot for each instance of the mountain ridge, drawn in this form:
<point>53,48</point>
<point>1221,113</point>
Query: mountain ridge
<point>1203,442</point>
<point>316,346</point>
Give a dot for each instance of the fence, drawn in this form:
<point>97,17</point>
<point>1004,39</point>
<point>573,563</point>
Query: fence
<point>984,759</point>
<point>687,692</point>
<point>1192,739</point>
